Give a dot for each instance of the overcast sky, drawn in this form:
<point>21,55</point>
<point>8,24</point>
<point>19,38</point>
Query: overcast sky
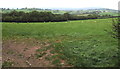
<point>112,4</point>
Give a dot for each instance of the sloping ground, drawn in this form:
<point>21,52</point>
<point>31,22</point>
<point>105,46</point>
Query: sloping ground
<point>23,53</point>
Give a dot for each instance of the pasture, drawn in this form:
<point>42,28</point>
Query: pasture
<point>81,43</point>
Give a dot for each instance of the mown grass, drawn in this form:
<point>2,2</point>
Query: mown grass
<point>81,43</point>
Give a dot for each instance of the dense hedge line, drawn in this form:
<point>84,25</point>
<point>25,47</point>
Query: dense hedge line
<point>36,16</point>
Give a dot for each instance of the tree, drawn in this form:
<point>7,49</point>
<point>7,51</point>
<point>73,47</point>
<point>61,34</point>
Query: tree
<point>67,16</point>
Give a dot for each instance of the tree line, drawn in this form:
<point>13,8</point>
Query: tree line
<point>35,16</point>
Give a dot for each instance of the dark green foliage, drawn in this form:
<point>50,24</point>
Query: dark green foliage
<point>116,34</point>
<point>116,28</point>
<point>35,16</point>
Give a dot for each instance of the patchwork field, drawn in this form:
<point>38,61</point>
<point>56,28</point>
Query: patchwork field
<point>81,43</point>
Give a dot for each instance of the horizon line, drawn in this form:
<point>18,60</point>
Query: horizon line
<point>60,8</point>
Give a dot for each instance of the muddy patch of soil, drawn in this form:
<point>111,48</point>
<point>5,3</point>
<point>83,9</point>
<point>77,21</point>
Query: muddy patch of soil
<point>22,53</point>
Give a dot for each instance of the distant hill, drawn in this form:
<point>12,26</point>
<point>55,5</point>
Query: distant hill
<point>76,11</point>
<point>89,8</point>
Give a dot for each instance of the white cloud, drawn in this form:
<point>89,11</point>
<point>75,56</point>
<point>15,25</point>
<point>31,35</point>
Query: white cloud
<point>113,4</point>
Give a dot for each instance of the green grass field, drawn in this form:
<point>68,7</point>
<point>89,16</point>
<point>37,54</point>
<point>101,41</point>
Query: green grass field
<point>109,13</point>
<point>82,43</point>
